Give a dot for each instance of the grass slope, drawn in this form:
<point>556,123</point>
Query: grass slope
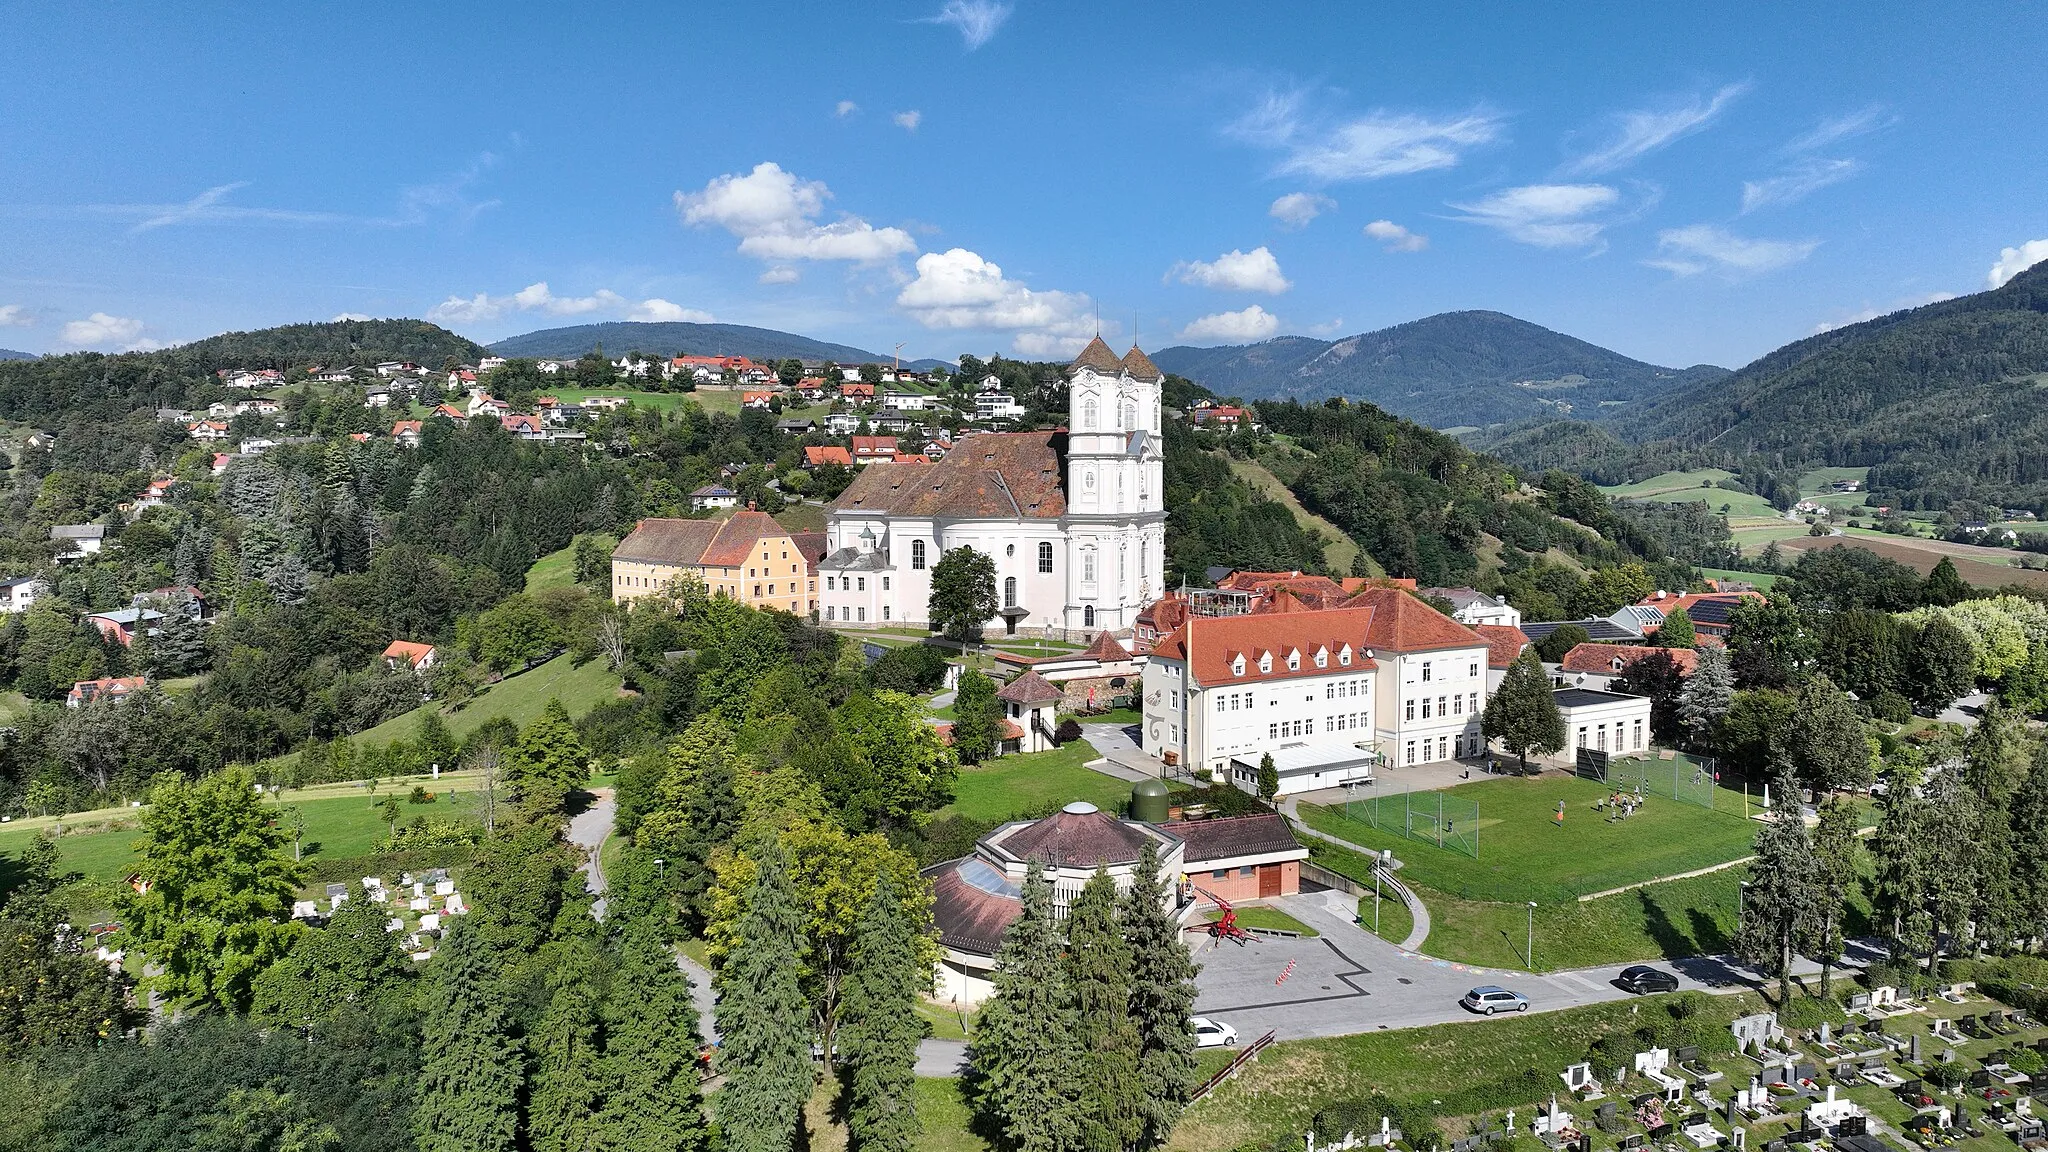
<point>1339,551</point>
<point>558,569</point>
<point>517,698</point>
<point>1012,785</point>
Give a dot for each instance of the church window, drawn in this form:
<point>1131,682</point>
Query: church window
<point>1088,414</point>
<point>1045,557</point>
<point>1130,416</point>
<point>1009,549</point>
<point>1088,616</point>
<point>863,583</point>
<point>1088,479</point>
<point>885,583</point>
<point>917,555</point>
<point>1009,591</point>
<point>1087,565</point>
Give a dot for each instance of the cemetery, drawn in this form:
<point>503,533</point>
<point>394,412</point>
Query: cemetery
<point>420,907</point>
<point>1887,1073</point>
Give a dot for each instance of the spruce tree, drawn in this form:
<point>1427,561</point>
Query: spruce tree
<point>1098,969</point>
<point>1522,714</point>
<point>1834,853</point>
<point>563,1052</point>
<point>764,1017</point>
<point>1779,905</point>
<point>649,1070</point>
<point>1162,997</point>
<point>1955,831</point>
<point>469,1080</point>
<point>2027,819</point>
<point>882,1028</point>
<point>1707,694</point>
<point>1024,1045</point>
<point>1900,849</point>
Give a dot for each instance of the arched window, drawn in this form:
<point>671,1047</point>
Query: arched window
<point>1130,416</point>
<point>1088,414</point>
<point>1087,565</point>
<point>1045,557</point>
<point>1088,616</point>
<point>917,555</point>
<point>1009,591</point>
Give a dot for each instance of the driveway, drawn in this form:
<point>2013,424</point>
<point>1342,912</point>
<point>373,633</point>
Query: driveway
<point>1348,981</point>
<point>588,830</point>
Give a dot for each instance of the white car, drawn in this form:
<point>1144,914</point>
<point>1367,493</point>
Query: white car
<point>1212,1033</point>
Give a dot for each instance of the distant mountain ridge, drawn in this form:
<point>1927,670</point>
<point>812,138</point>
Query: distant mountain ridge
<point>11,354</point>
<point>1452,369</point>
<point>684,339</point>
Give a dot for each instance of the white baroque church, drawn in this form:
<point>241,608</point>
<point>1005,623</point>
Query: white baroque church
<point>1074,518</point>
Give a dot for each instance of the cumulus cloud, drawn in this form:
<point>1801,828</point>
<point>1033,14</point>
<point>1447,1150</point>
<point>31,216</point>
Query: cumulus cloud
<point>349,316</point>
<point>845,108</point>
<point>1803,180</point>
<point>101,330</point>
<point>1545,215</point>
<point>780,274</point>
<point>1296,209</point>
<point>1635,134</point>
<point>1701,247</point>
<point>976,20</point>
<point>1396,238</point>
<point>774,213</point>
<point>1235,271</point>
<point>1377,144</point>
<point>15,316</point>
<point>908,121</point>
<point>538,297</point>
<point>2013,261</point>
<point>1240,327</point>
<point>659,311</point>
<point>959,289</point>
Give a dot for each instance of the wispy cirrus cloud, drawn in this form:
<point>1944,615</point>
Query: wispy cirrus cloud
<point>1835,129</point>
<point>1700,248</point>
<point>1545,215</point>
<point>1797,183</point>
<point>1634,134</point>
<point>977,21</point>
<point>1335,147</point>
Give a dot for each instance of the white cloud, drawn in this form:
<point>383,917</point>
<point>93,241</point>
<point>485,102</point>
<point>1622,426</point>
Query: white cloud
<point>1047,345</point>
<point>1699,247</point>
<point>537,298</point>
<point>780,274</point>
<point>1801,181</point>
<point>959,289</point>
<point>659,311</point>
<point>1545,215</point>
<point>908,121</point>
<point>350,316</point>
<point>1395,237</point>
<point>1368,147</point>
<point>773,212</point>
<point>100,330</point>
<point>15,316</point>
<point>845,108</point>
<point>1240,327</point>
<point>1839,128</point>
<point>977,20</point>
<point>1296,209</point>
<point>2013,261</point>
<point>1638,133</point>
<point>1234,271</point>
<point>1328,327</point>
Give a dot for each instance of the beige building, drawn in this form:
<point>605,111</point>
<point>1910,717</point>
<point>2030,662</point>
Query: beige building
<point>748,557</point>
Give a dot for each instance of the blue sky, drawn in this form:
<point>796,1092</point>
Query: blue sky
<point>960,175</point>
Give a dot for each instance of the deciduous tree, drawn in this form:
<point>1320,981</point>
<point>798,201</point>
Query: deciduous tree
<point>1944,665</point>
<point>1522,715</point>
<point>977,718</point>
<point>963,595</point>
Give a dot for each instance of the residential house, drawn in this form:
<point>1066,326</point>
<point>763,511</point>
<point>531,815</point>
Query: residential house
<point>173,416</point>
<point>634,369</point>
<point>335,375</point>
<point>451,412</point>
<point>714,496</point>
<point>1222,415</point>
<point>1605,631</point>
<point>155,495</point>
<point>123,624</point>
<point>554,367</point>
<point>1603,721</point>
<point>605,403</point>
<point>811,390</point>
<point>796,427</point>
<point>206,430</point>
<point>757,400</point>
<point>857,392</point>
<point>819,455</point>
<point>842,423</point>
<point>75,540</point>
<point>1598,666</point>
<point>114,688</point>
<point>910,458</point>
<point>490,362</point>
<point>376,396</point>
<point>410,655</point>
<point>1032,702</point>
<point>461,379</point>
<point>747,557</point>
<point>1710,611</point>
<point>996,406</point>
<point>396,368</point>
<point>895,401</point>
<point>524,426</point>
<point>18,593</point>
<point>868,449</point>
<point>482,403</point>
<point>1471,607</point>
<point>407,433</point>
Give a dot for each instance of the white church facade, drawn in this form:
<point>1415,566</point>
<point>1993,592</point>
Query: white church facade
<point>1074,519</point>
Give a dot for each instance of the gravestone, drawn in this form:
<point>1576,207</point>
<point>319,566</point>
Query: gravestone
<point>1948,1055</point>
<point>1859,1001</point>
<point>1687,1054</point>
<point>337,890</point>
<point>1579,1077</point>
<point>1826,1033</point>
<point>1758,1029</point>
<point>1913,1050</point>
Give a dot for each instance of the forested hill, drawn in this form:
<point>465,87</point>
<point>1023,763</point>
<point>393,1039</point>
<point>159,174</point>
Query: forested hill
<point>11,354</point>
<point>679,339</point>
<point>1946,403</point>
<point>1448,370</point>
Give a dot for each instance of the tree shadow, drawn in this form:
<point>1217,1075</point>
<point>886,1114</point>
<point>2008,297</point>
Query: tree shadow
<point>1672,942</point>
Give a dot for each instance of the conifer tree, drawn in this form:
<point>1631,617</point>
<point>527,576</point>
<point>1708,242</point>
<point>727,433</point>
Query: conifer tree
<point>649,1070</point>
<point>1162,997</point>
<point>1024,1045</point>
<point>1955,833</point>
<point>1834,853</point>
<point>2027,819</point>
<point>882,1026</point>
<point>1707,694</point>
<point>563,1051</point>
<point>1098,969</point>
<point>469,1078</point>
<point>1779,905</point>
<point>764,1017</point>
<point>1900,849</point>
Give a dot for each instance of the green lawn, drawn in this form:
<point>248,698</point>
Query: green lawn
<point>1697,480</point>
<point>1689,917</point>
<point>557,569</point>
<point>519,698</point>
<point>943,1113</point>
<point>1763,580</point>
<point>1524,855</point>
<point>660,401</point>
<point>1014,785</point>
<point>1817,481</point>
<point>948,1021</point>
<point>1274,919</point>
<point>13,706</point>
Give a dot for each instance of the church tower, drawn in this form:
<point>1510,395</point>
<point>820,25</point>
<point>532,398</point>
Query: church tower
<point>1116,518</point>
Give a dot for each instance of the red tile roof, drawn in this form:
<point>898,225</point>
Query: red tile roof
<point>1029,689</point>
<point>1233,836</point>
<point>996,475</point>
<point>1074,839</point>
<point>1610,659</point>
<point>874,445</point>
<point>700,543</point>
<point>409,651</point>
<point>1105,648</point>
<point>1503,643</point>
<point>1140,366</point>
<point>1403,623</point>
<point>816,455</point>
<point>1219,641</point>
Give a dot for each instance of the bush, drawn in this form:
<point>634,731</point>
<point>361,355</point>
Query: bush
<point>2016,981</point>
<point>1945,1075</point>
<point>913,668</point>
<point>1891,707</point>
<point>1068,731</point>
<point>433,832</point>
<point>1811,1012</point>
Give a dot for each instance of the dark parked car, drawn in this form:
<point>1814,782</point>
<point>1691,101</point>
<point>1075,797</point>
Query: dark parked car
<point>1642,980</point>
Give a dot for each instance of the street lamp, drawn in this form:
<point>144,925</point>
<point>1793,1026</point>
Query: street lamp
<point>1531,950</point>
<point>658,862</point>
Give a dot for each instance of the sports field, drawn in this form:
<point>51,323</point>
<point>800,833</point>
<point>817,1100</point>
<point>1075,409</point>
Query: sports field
<point>1525,854</point>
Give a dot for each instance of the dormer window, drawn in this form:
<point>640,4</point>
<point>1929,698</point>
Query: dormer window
<point>1237,665</point>
<point>1617,663</point>
<point>1322,657</point>
<point>1265,661</point>
<point>1293,660</point>
<point>1344,655</point>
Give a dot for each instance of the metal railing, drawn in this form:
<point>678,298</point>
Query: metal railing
<point>1247,1055</point>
